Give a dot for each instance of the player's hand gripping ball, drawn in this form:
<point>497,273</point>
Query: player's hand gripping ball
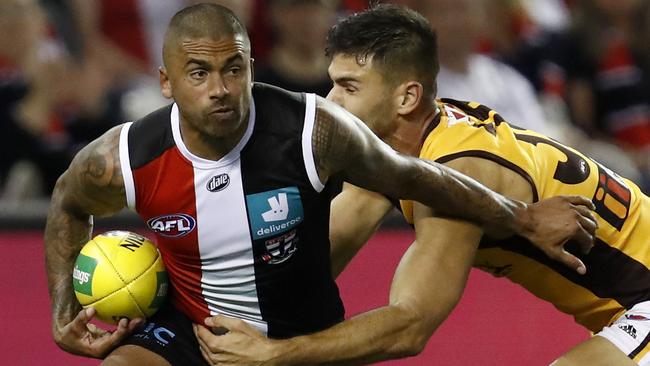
<point>121,275</point>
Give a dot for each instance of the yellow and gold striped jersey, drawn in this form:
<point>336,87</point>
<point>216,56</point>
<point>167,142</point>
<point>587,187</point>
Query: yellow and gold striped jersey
<point>617,267</point>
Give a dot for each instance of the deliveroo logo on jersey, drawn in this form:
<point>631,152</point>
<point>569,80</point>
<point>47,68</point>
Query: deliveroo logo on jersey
<point>272,213</point>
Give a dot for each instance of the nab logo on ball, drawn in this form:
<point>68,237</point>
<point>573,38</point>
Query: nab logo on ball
<point>173,225</point>
<point>218,183</point>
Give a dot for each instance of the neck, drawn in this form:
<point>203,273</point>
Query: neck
<point>209,147</point>
<point>413,128</point>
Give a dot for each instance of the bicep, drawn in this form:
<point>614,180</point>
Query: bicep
<point>495,176</point>
<point>342,144</point>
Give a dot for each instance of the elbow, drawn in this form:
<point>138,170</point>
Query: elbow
<point>409,347</point>
<point>413,338</point>
<point>414,344</point>
<point>411,344</point>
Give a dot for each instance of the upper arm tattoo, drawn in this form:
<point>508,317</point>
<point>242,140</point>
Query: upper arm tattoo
<point>97,176</point>
<point>343,144</point>
<point>329,141</point>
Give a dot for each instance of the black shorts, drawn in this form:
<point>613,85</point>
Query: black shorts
<point>169,333</point>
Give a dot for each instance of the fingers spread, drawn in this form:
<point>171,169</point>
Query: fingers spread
<point>582,201</point>
<point>205,337</point>
<point>206,356</point>
<point>202,336</point>
<point>583,237</point>
<point>135,324</point>
<point>79,323</point>
<point>587,219</point>
<point>572,261</point>
<point>114,338</point>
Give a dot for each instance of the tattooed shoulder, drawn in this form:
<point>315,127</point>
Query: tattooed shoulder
<point>329,141</point>
<point>101,167</point>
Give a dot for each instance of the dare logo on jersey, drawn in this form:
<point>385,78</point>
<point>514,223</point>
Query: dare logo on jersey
<point>172,225</point>
<point>218,183</point>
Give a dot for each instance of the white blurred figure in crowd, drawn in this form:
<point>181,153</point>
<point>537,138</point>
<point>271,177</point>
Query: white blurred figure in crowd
<point>468,75</point>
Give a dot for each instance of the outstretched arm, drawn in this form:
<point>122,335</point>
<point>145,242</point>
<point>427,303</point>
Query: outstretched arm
<point>343,144</point>
<point>92,185</point>
<point>427,285</point>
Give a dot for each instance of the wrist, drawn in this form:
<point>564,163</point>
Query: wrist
<point>64,314</point>
<point>523,222</point>
<point>285,352</point>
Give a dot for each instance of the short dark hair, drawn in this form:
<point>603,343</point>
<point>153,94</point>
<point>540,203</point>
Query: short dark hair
<point>397,38</point>
<point>203,20</point>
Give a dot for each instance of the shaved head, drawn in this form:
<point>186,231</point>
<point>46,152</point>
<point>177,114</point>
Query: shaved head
<point>202,21</point>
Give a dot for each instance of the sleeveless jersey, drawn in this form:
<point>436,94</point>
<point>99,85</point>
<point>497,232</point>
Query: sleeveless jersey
<point>245,236</point>
<point>617,266</point>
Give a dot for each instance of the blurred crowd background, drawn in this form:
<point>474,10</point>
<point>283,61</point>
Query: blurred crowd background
<point>576,70</point>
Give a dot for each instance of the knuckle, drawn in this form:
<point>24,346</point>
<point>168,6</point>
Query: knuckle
<point>212,345</point>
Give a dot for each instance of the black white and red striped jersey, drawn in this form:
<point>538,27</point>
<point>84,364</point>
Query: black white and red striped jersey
<point>247,235</point>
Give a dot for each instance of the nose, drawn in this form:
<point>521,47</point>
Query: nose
<point>217,87</point>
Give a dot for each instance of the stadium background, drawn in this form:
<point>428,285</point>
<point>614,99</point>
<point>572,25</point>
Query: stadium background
<point>82,80</point>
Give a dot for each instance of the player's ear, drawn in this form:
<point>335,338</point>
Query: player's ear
<point>410,97</point>
<point>165,85</point>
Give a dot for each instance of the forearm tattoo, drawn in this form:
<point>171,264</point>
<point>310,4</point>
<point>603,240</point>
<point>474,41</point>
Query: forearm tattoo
<point>92,185</point>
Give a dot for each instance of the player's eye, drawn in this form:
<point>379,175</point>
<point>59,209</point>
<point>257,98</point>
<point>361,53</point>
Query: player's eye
<point>198,74</point>
<point>351,89</point>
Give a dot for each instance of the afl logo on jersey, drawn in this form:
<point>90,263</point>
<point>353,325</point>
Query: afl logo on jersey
<point>218,183</point>
<point>173,225</point>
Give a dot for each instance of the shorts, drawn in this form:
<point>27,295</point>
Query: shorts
<point>631,333</point>
<point>169,333</point>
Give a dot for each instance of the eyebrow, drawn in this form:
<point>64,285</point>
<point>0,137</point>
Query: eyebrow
<point>345,79</point>
<point>197,62</point>
<point>236,57</point>
<point>206,64</point>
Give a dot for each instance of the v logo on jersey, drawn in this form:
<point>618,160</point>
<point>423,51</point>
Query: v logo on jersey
<point>279,208</point>
<point>273,213</point>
